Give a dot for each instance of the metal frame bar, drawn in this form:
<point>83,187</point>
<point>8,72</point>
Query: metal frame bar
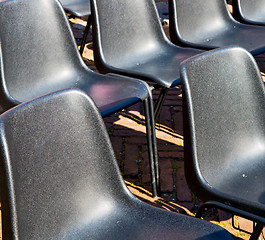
<point>154,142</point>
<point>87,28</point>
<point>150,143</point>
<point>256,231</point>
<point>160,102</point>
<point>260,221</point>
<point>240,229</point>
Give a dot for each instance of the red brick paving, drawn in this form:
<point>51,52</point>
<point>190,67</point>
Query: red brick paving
<point>183,193</point>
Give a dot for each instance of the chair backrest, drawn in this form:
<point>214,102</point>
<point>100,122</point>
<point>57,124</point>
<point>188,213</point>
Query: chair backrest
<point>125,31</point>
<point>196,19</point>
<point>37,49</point>
<point>249,11</point>
<point>224,134</point>
<point>60,171</point>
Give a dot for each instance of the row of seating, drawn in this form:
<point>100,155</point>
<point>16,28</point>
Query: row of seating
<point>192,25</point>
<point>60,177</point>
<point>183,32</point>
<point>144,52</point>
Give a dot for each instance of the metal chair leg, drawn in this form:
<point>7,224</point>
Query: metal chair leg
<point>150,147</point>
<point>87,28</point>
<point>257,229</point>
<point>155,151</point>
<point>159,102</point>
<point>256,232</point>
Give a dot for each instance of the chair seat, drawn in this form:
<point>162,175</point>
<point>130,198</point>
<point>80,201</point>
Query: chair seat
<point>111,93</point>
<point>116,93</point>
<point>240,176</point>
<point>136,220</point>
<point>259,21</point>
<point>144,50</point>
<point>247,36</point>
<point>161,66</point>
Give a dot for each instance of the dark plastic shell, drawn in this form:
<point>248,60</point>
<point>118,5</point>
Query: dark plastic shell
<point>39,55</point>
<point>224,137</point>
<point>60,179</point>
<point>249,11</point>
<point>208,24</point>
<point>128,39</point>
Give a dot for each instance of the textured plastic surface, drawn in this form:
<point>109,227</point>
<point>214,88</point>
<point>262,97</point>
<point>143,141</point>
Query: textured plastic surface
<point>61,179</point>
<point>39,55</point>
<point>249,11</point>
<point>224,135</point>
<point>208,24</point>
<point>78,8</point>
<point>133,42</point>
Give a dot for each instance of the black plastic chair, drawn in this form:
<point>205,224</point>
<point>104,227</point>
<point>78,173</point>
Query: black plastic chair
<point>250,12</point>
<point>208,24</point>
<point>60,179</point>
<point>79,8</point>
<point>133,43</point>
<point>38,57</point>
<point>224,140</point>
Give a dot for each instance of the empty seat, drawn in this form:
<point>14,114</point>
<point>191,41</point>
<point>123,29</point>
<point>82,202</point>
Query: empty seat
<point>133,43</point>
<point>249,11</point>
<point>60,179</point>
<point>224,140</point>
<point>208,24</point>
<point>39,55</point>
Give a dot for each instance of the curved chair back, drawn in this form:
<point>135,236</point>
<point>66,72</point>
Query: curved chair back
<point>249,11</point>
<point>133,43</point>
<point>47,57</point>
<point>47,60</point>
<point>56,145</point>
<point>224,129</point>
<point>209,24</point>
<point>60,179</point>
<point>187,18</point>
<point>125,32</point>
